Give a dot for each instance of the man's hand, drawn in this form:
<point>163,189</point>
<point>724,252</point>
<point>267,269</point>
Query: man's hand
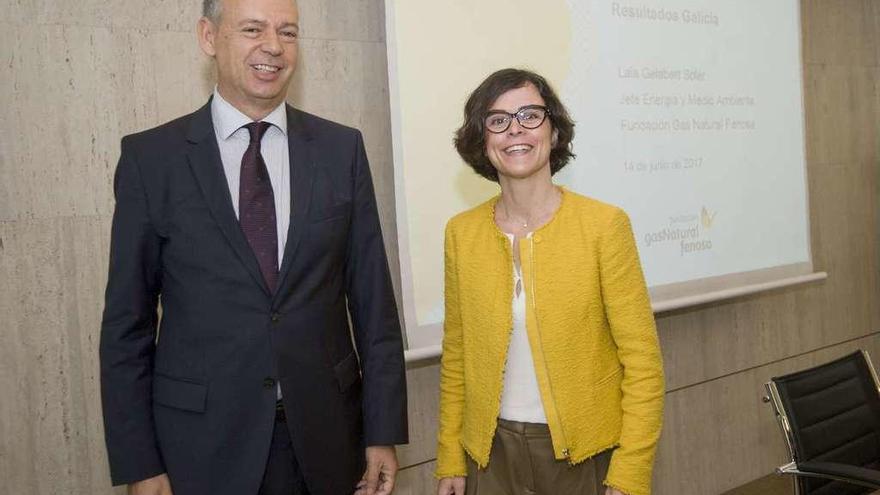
<point>381,469</point>
<point>451,486</point>
<point>613,491</point>
<point>157,485</point>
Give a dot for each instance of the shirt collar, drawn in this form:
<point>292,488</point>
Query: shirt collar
<point>228,119</point>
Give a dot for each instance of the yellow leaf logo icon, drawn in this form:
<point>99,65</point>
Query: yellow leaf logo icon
<point>707,218</point>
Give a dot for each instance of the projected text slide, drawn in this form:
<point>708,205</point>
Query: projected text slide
<point>688,116</point>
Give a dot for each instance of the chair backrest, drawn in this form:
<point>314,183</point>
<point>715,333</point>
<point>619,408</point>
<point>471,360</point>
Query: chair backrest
<point>833,415</point>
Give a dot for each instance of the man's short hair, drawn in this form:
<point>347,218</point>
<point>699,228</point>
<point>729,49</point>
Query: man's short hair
<point>470,139</point>
<point>211,9</point>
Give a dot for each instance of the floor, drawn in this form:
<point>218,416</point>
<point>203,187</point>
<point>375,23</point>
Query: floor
<point>768,485</point>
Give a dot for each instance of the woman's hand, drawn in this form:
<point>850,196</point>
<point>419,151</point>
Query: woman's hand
<point>451,486</point>
<point>613,491</point>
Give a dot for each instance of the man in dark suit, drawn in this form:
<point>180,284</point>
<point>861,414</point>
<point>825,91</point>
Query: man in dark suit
<point>255,225</point>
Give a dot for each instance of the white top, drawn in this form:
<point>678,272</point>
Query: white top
<point>233,141</point>
<point>520,396</point>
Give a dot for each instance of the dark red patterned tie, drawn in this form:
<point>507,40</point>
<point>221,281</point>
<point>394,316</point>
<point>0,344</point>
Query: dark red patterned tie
<point>256,206</point>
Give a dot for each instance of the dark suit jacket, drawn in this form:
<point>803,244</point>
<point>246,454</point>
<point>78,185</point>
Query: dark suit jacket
<point>192,392</point>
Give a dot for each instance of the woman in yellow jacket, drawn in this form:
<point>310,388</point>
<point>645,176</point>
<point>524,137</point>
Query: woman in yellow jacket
<point>551,376</point>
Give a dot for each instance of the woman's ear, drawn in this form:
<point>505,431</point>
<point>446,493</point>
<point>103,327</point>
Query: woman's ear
<point>554,139</point>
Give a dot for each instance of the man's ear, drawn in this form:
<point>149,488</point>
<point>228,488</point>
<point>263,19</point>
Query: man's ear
<point>206,31</point>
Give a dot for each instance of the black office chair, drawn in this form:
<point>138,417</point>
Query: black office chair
<point>830,418</point>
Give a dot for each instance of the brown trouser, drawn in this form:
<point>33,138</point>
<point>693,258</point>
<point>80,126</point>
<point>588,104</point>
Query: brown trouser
<point>522,463</point>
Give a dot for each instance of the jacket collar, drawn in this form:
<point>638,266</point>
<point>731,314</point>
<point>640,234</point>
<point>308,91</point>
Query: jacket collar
<point>204,159</point>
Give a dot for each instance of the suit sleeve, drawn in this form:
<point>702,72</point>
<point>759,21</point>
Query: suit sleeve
<point>374,314</point>
<point>128,330</point>
<point>629,313</point>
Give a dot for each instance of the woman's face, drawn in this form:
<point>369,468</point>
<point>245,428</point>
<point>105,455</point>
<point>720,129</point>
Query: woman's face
<point>519,153</point>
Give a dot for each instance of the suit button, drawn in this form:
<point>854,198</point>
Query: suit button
<point>276,317</point>
<point>268,382</point>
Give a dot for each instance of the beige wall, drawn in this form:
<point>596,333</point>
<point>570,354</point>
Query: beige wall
<point>79,75</point>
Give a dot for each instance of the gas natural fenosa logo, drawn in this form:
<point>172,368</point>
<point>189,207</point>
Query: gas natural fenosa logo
<point>689,231</point>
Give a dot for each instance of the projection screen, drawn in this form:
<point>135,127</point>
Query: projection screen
<point>689,116</point>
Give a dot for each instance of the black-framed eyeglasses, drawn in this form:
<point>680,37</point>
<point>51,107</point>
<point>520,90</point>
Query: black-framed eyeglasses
<point>529,117</point>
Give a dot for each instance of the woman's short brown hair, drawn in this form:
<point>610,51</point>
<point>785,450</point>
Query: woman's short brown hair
<point>470,138</point>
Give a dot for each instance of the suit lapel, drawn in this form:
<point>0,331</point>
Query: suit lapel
<point>206,164</point>
<point>302,174</point>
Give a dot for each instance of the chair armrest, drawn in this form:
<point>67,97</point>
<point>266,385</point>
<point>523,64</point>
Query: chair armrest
<point>845,472</point>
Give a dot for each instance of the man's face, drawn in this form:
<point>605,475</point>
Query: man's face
<point>255,46</point>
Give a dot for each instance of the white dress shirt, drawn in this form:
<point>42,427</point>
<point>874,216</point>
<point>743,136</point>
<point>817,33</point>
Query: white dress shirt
<point>233,140</point>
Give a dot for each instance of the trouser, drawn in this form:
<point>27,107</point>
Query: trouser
<point>282,476</point>
<point>521,462</point>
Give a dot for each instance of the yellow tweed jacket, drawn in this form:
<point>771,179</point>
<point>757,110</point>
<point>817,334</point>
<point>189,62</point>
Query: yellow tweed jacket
<point>590,328</point>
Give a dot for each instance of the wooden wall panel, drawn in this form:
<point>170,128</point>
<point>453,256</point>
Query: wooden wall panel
<point>840,32</point>
<point>842,124</point>
<point>417,480</point>
<point>423,388</point>
<point>720,434</point>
